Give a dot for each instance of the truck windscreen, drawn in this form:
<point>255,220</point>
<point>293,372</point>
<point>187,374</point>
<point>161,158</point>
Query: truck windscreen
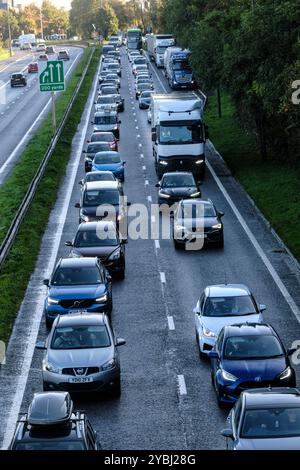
<point>181,134</point>
<point>181,65</point>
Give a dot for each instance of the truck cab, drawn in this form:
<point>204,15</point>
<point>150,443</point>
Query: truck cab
<point>177,68</point>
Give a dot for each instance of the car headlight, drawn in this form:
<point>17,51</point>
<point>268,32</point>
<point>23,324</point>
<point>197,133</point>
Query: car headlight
<point>84,217</point>
<point>115,255</point>
<point>207,332</point>
<point>217,226</point>
<point>198,194</point>
<point>285,374</point>
<point>179,227</point>
<point>52,301</point>
<point>101,299</point>
<point>165,196</point>
<point>198,162</point>
<point>227,376</point>
<point>163,162</point>
<point>88,159</point>
<point>52,368</point>
<point>75,254</point>
<point>109,364</point>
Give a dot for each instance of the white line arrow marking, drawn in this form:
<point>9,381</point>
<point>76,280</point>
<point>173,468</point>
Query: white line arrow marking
<point>51,66</point>
<point>58,66</point>
<point>45,75</point>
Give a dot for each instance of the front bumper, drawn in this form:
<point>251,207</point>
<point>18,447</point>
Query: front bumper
<point>182,163</point>
<point>100,381</point>
<point>210,237</point>
<point>205,343</point>
<point>51,311</point>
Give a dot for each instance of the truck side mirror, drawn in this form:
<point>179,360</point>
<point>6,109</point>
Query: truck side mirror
<point>154,136</point>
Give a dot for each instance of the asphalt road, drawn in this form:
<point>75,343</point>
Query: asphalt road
<point>167,399</point>
<point>22,109</point>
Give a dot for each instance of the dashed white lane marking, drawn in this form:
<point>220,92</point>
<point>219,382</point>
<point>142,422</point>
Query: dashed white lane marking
<point>144,168</point>
<point>140,145</point>
<point>146,182</point>
<point>149,198</point>
<point>162,278</point>
<point>137,128</point>
<point>157,244</point>
<point>142,155</point>
<point>138,136</point>
<point>171,323</point>
<point>182,386</point>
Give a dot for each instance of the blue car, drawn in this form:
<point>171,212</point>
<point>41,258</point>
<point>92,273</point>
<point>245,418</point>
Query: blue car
<point>78,284</point>
<point>109,161</point>
<point>249,355</point>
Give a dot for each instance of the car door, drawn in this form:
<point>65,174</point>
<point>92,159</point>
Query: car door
<point>216,361</point>
<point>198,313</point>
<point>234,424</point>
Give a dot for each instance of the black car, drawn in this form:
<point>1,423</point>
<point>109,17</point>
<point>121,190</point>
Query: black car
<point>18,79</point>
<point>176,186</point>
<point>51,424</point>
<point>102,240</point>
<point>119,102</point>
<point>91,151</point>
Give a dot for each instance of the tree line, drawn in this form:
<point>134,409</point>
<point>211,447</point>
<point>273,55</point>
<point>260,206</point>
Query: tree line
<point>28,20</point>
<point>251,48</point>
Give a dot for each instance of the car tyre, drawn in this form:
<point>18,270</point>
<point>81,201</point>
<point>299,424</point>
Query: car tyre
<point>220,244</point>
<point>117,388</point>
<point>46,387</point>
<point>201,354</point>
<point>177,246</point>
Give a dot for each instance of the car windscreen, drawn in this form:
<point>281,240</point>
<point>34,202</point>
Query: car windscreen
<point>229,306</point>
<point>107,159</point>
<point>161,49</point>
<point>178,181</point>
<point>98,147</point>
<point>140,61</point>
<point>99,237</point>
<point>107,90</point>
<point>105,99</point>
<point>113,66</point>
<point>190,133</point>
<point>103,120</point>
<point>197,210</point>
<point>53,444</point>
<point>99,137</point>
<point>146,94</point>
<point>94,176</point>
<point>80,337</point>
<point>143,86</point>
<point>271,423</point>
<point>96,198</point>
<point>252,347</point>
<point>17,75</point>
<point>76,276</point>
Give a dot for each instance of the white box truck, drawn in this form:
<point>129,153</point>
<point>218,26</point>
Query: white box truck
<point>157,45</point>
<point>178,133</point>
<point>26,41</point>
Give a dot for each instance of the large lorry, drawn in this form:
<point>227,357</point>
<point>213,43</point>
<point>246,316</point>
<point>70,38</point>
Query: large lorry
<point>26,39</point>
<point>178,133</point>
<point>157,45</point>
<point>177,68</point>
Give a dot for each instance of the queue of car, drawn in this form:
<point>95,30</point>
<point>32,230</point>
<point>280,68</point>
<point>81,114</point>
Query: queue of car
<point>250,368</point>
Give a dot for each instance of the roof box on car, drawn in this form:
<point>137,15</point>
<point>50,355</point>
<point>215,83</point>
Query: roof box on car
<point>50,408</point>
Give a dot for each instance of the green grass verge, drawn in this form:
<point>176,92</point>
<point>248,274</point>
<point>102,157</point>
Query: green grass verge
<point>21,176</point>
<point>4,54</point>
<point>273,187</point>
<point>16,271</point>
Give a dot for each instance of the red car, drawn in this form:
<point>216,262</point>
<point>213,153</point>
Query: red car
<point>105,137</point>
<point>33,67</point>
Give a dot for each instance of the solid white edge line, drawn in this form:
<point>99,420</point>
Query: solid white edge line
<point>144,168</point>
<point>290,301</point>
<point>149,198</point>
<point>146,182</point>
<point>44,110</point>
<point>257,246</point>
<point>162,277</point>
<point>182,386</point>
<point>171,323</point>
<point>37,313</point>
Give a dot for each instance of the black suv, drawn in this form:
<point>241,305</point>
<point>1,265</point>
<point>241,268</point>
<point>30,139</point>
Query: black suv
<point>51,424</point>
<point>18,79</point>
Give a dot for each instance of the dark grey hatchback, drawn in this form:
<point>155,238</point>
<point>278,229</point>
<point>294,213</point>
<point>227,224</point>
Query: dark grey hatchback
<point>18,79</point>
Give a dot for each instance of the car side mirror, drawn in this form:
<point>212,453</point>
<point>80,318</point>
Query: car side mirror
<point>109,278</point>
<point>119,122</point>
<point>40,345</point>
<point>123,162</point>
<point>154,136</point>
<point>77,205</point>
<point>221,214</point>
<point>92,122</point>
<point>213,355</point>
<point>80,182</point>
<point>196,311</point>
<point>120,341</point>
<point>227,433</point>
<point>68,243</point>
<point>46,282</point>
<point>157,185</point>
<point>291,351</point>
<point>124,241</point>
<point>262,307</point>
<point>83,151</point>
<point>128,204</point>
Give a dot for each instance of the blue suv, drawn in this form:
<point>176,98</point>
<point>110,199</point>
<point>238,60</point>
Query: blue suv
<point>78,284</point>
<point>249,355</point>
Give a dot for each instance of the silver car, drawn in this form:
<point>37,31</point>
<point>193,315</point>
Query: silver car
<point>81,355</point>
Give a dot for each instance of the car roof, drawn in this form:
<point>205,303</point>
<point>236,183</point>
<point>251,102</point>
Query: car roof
<point>227,290</point>
<point>98,225</point>
<point>82,318</point>
<point>242,329</point>
<point>77,262</point>
<point>106,112</point>
<point>97,185</point>
<point>271,397</point>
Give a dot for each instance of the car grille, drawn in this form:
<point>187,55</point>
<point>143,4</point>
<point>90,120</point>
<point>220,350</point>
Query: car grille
<point>253,384</point>
<point>87,371</point>
<point>76,303</point>
<point>88,387</point>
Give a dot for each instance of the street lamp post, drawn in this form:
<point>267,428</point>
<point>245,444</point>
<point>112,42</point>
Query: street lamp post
<point>9,31</point>
<point>42,26</point>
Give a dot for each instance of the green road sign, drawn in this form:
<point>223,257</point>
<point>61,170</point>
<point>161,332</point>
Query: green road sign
<point>53,77</point>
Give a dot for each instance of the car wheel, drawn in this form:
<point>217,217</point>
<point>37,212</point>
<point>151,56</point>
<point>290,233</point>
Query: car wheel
<point>177,245</point>
<point>220,244</point>
<point>117,388</point>
<point>140,106</point>
<point>46,387</point>
<point>201,354</point>
<point>48,324</point>
<point>121,274</point>
<point>219,402</point>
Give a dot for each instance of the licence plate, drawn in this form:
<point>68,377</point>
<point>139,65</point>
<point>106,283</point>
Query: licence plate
<point>80,380</point>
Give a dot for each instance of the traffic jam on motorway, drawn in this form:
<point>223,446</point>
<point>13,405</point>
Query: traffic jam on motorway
<point>252,373</point>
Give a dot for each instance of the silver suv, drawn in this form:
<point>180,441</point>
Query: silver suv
<point>81,355</point>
